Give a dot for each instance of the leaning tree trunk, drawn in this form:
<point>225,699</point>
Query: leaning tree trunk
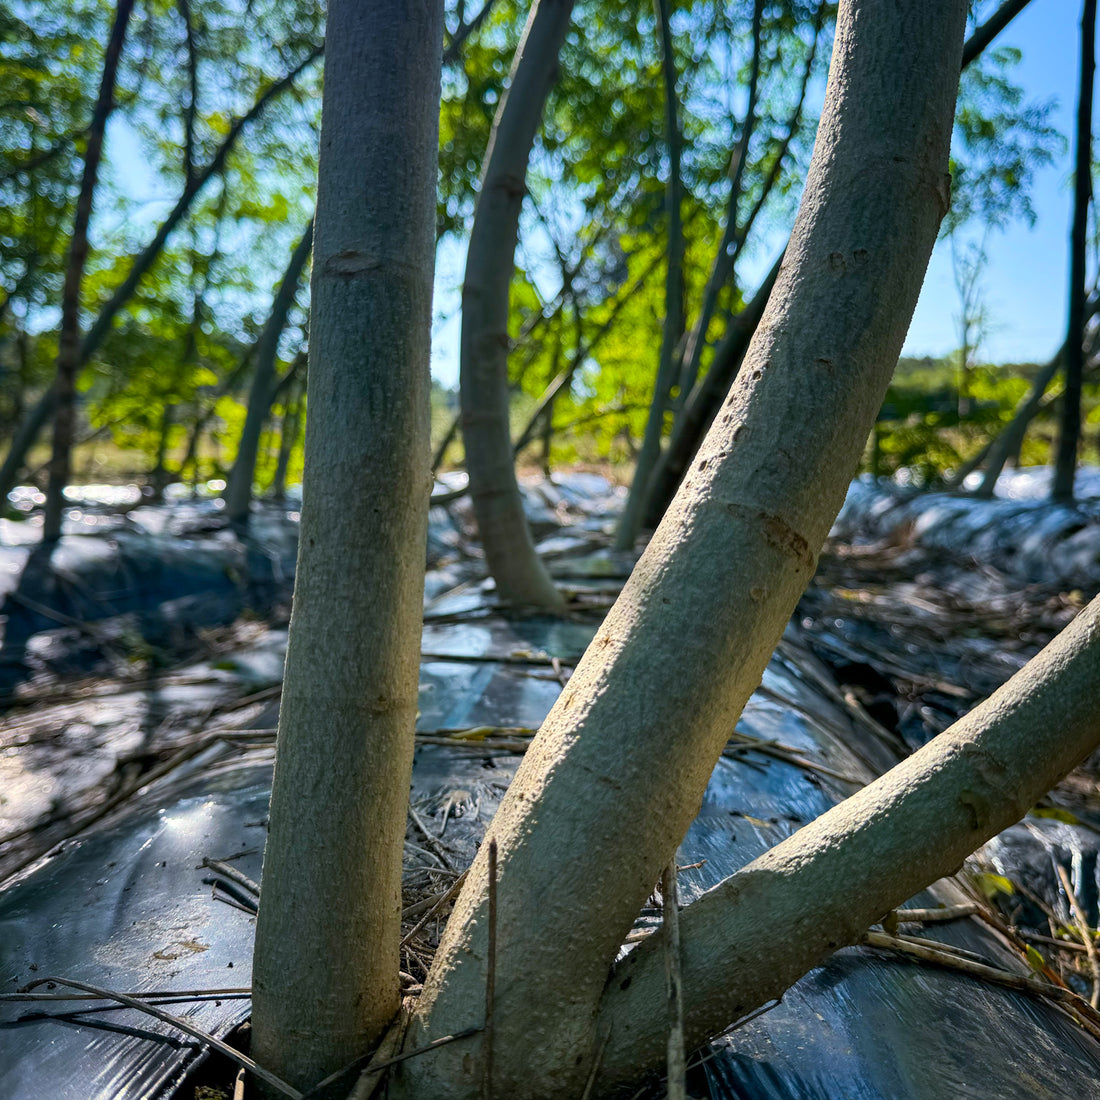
<point>1069,434</point>
<point>238,491</point>
<point>825,886</point>
<point>520,576</point>
<point>608,788</point>
<point>1012,435</point>
<point>325,976</point>
<point>68,348</point>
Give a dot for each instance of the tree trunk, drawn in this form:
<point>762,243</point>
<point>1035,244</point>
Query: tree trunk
<point>827,884</point>
<point>631,519</point>
<point>608,788</point>
<point>325,977</point>
<point>238,491</point>
<point>1069,434</point>
<point>724,259</point>
<point>1012,435</point>
<point>520,576</point>
<point>158,476</point>
<point>68,349</point>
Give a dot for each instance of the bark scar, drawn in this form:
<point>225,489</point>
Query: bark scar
<point>778,533</point>
<point>350,262</point>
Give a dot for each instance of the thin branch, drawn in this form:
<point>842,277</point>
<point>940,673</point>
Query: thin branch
<point>991,28</point>
<point>670,917</point>
<point>1083,930</point>
<point>185,1026</point>
<point>742,233</point>
<point>193,90</point>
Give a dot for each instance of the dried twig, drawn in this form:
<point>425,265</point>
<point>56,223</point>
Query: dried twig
<point>935,916</point>
<point>490,979</point>
<point>231,872</point>
<point>1084,931</point>
<point>234,993</point>
<point>944,956</point>
<point>670,912</point>
<point>437,847</point>
<point>438,904</point>
<point>185,1026</point>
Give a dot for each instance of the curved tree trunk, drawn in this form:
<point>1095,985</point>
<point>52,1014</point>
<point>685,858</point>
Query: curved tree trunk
<point>238,490</point>
<point>325,976</point>
<point>608,788</point>
<point>68,347</point>
<point>834,878</point>
<point>520,576</point>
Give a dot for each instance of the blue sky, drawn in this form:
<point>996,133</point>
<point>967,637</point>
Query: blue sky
<point>1025,282</point>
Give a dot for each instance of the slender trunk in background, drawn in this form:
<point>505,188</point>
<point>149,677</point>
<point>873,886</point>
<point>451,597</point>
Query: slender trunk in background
<point>288,440</point>
<point>229,385</point>
<point>722,268</point>
<point>630,521</point>
<point>702,406</point>
<point>68,349</point>
<point>1012,435</point>
<point>449,437</point>
<point>101,326</point>
<point>238,490</point>
<point>325,976</point>
<point>607,790</point>
<point>1069,432</point>
<point>520,576</point>
<point>158,476</point>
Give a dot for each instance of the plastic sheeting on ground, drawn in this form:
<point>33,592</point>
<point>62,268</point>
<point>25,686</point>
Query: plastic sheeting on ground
<point>124,906</point>
<point>1019,532</point>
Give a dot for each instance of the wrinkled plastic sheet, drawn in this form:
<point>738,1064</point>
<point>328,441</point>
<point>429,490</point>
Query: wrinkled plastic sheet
<point>124,906</point>
<point>1019,532</point>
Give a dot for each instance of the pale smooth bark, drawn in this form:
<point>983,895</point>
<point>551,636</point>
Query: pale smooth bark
<point>238,490</point>
<point>520,576</point>
<point>617,772</point>
<point>749,938</point>
<point>325,976</point>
